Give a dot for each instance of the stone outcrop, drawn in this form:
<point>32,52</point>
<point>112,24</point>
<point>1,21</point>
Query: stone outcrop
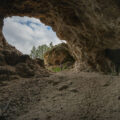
<point>89,27</point>
<point>114,56</point>
<point>14,63</point>
<point>58,55</point>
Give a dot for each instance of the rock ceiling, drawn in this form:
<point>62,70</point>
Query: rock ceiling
<point>88,26</point>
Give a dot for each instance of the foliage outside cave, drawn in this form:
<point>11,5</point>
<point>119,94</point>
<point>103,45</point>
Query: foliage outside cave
<point>56,58</point>
<point>59,58</point>
<point>40,51</point>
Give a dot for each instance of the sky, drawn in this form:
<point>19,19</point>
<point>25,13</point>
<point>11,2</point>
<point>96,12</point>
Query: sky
<point>26,32</point>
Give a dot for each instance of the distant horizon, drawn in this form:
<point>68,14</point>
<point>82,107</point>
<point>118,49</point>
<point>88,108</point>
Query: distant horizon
<point>26,32</point>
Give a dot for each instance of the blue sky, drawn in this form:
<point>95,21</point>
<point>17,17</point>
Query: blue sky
<point>24,32</point>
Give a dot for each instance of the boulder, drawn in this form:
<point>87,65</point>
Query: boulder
<point>58,55</point>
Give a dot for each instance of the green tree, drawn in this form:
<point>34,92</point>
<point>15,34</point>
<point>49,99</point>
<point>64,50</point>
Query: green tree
<point>33,52</point>
<point>39,52</point>
<point>42,49</point>
<point>51,45</point>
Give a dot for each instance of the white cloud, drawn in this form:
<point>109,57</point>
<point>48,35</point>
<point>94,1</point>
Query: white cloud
<point>24,32</point>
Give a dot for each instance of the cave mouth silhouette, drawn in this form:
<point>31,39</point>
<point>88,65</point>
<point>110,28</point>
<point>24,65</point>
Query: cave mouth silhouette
<point>26,32</point>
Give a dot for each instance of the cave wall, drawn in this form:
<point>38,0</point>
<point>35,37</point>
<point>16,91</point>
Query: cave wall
<point>88,26</point>
<point>1,24</point>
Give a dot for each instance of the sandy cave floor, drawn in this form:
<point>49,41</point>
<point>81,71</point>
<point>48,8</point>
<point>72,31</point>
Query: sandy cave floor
<point>62,96</point>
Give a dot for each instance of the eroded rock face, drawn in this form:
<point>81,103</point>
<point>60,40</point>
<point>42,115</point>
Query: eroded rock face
<point>13,63</point>
<point>89,27</point>
<point>58,55</point>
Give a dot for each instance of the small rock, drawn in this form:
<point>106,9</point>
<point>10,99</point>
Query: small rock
<point>56,83</point>
<point>119,98</point>
<point>74,90</point>
<point>48,117</point>
<point>36,119</point>
<point>63,87</point>
<point>2,118</point>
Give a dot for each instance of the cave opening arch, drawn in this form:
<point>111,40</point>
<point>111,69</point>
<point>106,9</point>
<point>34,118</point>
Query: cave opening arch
<point>87,28</point>
<point>26,32</point>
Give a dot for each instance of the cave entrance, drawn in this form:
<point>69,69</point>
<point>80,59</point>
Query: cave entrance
<point>30,36</point>
<point>26,32</point>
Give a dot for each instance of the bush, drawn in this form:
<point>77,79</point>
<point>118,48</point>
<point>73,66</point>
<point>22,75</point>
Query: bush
<point>57,68</point>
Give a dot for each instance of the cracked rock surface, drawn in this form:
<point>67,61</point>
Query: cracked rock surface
<point>89,27</point>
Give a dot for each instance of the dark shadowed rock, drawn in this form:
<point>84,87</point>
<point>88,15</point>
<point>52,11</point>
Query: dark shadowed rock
<point>25,70</point>
<point>114,56</point>
<point>11,58</point>
<point>13,62</point>
<point>23,59</point>
<point>40,62</point>
<point>2,60</point>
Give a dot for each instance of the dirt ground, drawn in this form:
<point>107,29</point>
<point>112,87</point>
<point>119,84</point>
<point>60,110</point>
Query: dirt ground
<point>61,96</point>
